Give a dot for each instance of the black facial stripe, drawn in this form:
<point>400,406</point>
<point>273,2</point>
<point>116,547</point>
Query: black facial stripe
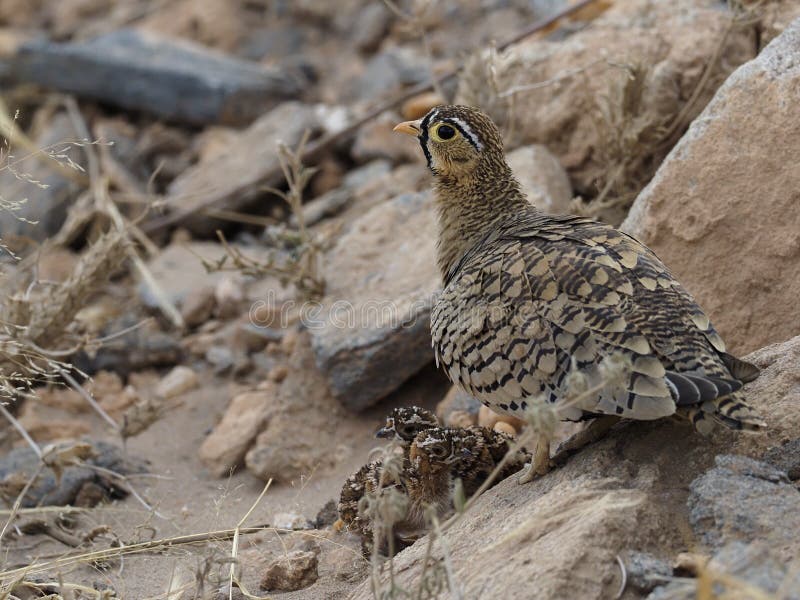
<point>466,135</point>
<point>423,139</point>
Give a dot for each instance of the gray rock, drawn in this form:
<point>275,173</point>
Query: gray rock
<point>786,457</point>
<point>363,174</point>
<point>237,178</point>
<point>140,347</point>
<point>48,490</point>
<point>174,80</point>
<point>46,193</point>
<point>645,571</point>
<point>373,21</point>
<point>543,179</point>
<point>331,203</point>
<point>392,68</point>
<point>179,272</point>
<point>372,332</point>
<point>755,565</point>
<point>278,42</point>
<point>327,205</point>
<point>742,499</point>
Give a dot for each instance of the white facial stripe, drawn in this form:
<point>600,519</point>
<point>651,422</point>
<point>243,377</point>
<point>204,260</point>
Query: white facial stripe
<point>467,131</point>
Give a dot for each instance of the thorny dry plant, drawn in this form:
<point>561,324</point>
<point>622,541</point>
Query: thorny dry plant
<point>37,321</point>
<point>294,255</point>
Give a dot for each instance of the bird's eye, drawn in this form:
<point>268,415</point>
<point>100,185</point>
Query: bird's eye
<point>408,430</point>
<point>443,132</point>
<point>438,452</point>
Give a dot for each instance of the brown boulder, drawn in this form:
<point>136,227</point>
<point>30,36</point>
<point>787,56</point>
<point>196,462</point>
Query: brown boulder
<point>722,210</point>
<point>551,91</point>
<point>224,449</point>
<point>234,179</point>
<point>293,571</point>
<point>304,424</point>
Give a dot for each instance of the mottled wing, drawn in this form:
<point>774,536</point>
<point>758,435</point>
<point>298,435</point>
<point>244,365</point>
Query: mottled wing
<point>541,306</point>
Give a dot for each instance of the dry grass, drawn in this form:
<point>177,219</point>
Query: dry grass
<point>294,256</point>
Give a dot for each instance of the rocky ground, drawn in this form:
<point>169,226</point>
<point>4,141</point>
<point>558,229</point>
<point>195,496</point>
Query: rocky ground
<point>191,314</point>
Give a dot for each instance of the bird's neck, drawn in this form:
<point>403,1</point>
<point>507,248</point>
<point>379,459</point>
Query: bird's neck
<point>470,207</point>
<point>431,486</point>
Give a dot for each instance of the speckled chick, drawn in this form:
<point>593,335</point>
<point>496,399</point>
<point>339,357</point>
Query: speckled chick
<point>531,298</point>
<point>426,482</point>
<point>367,480</point>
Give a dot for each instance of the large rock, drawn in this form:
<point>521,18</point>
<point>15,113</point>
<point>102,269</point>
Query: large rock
<point>542,177</point>
<point>722,210</point>
<point>373,330</point>
<point>42,195</point>
<point>175,80</point>
<point>559,536</point>
<point>670,42</point>
<point>235,178</point>
<point>62,486</point>
<point>303,426</point>
<point>735,572</point>
<point>746,500</point>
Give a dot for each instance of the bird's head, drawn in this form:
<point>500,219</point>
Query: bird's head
<point>456,139</point>
<point>438,448</point>
<point>405,423</point>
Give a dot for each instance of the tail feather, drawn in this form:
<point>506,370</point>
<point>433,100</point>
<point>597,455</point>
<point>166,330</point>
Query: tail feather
<point>740,369</point>
<point>730,411</point>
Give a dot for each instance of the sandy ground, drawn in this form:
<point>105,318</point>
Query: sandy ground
<point>189,500</point>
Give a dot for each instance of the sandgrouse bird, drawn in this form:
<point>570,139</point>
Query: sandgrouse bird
<point>530,299</point>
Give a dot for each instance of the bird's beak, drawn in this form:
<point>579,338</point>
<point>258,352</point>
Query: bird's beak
<point>409,127</point>
<point>384,433</point>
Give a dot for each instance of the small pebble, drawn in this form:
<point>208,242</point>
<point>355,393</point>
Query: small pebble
<point>418,106</point>
<point>229,295</point>
<point>198,307</point>
<point>293,571</point>
<point>178,381</point>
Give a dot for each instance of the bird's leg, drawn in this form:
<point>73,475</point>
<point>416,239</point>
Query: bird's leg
<point>540,464</point>
<point>593,432</point>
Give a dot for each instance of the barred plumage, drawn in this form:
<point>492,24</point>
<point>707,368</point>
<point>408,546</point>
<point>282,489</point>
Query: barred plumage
<point>531,298</point>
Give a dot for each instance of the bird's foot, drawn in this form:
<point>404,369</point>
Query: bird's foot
<point>527,475</point>
<point>541,463</point>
